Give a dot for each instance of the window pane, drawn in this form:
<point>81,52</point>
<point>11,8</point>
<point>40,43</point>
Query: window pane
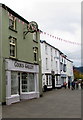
<point>24,82</point>
<point>31,82</point>
<point>12,47</point>
<point>14,83</point>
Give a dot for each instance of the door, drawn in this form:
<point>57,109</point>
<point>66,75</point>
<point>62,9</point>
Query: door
<point>53,81</point>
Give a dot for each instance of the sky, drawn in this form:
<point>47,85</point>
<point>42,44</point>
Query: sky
<point>59,18</point>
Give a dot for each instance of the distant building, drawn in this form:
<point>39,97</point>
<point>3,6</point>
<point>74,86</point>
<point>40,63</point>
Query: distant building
<point>70,75</point>
<point>50,66</point>
<point>56,68</point>
<point>20,60</point>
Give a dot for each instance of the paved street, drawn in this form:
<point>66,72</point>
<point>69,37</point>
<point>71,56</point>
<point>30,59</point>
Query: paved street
<point>54,104</point>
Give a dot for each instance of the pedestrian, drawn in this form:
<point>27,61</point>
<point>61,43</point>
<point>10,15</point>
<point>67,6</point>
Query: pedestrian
<point>73,85</point>
<point>65,84</point>
<point>69,84</point>
<point>77,85</point>
<point>82,84</point>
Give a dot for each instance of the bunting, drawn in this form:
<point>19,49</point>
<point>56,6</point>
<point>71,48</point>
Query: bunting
<point>45,33</point>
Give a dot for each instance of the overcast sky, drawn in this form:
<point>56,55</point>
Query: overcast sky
<point>60,18</point>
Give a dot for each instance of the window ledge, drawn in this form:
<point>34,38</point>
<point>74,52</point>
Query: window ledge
<point>13,58</point>
<point>12,29</point>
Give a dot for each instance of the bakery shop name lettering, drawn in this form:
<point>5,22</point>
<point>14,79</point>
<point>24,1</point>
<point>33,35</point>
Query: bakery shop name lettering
<point>23,65</point>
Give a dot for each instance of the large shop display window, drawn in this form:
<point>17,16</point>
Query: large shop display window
<point>14,83</point>
<point>28,82</point>
<point>24,83</point>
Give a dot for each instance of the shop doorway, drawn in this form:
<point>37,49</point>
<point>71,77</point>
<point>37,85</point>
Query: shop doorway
<point>53,81</point>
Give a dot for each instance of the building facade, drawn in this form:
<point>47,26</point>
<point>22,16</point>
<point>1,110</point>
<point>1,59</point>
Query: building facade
<point>50,66</point>
<point>56,68</point>
<point>20,59</point>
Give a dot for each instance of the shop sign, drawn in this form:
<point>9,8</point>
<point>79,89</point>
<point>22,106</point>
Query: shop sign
<point>23,65</point>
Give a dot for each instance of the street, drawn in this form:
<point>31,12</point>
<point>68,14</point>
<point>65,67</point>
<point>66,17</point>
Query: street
<point>60,103</point>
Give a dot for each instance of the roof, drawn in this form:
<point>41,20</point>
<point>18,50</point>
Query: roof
<point>43,41</point>
<point>61,53</point>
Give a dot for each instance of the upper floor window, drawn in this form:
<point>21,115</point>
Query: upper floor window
<point>64,68</point>
<point>46,51</point>
<point>51,51</point>
<point>55,53</point>
<point>35,36</point>
<point>35,54</point>
<point>61,66</point>
<point>13,47</point>
<point>12,22</point>
<point>46,63</point>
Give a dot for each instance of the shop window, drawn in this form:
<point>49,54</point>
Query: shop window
<point>28,82</point>
<point>46,79</point>
<point>13,47</point>
<point>56,80</point>
<point>50,80</point>
<point>12,22</point>
<point>31,82</point>
<point>14,83</point>
<point>35,54</point>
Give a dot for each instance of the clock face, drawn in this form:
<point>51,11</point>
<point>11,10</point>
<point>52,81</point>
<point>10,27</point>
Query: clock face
<point>32,27</point>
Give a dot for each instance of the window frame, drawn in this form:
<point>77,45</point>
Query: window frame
<point>12,22</point>
<point>35,54</point>
<point>14,45</point>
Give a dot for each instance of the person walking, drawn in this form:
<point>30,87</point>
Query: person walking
<point>73,85</point>
<point>69,84</point>
<point>77,85</point>
<point>65,85</point>
<point>82,84</point>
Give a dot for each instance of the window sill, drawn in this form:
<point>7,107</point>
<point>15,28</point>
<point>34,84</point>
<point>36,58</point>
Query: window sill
<point>14,58</point>
<point>35,62</point>
<point>12,29</point>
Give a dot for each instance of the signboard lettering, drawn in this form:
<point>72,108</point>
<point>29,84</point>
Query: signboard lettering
<point>23,65</point>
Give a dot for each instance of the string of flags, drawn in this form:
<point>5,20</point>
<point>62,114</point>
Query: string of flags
<point>45,33</point>
<point>60,39</point>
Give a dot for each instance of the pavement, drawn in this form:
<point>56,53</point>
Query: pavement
<point>60,103</point>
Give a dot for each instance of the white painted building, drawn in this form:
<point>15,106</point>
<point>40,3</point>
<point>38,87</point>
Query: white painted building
<point>56,68</point>
<point>50,65</point>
